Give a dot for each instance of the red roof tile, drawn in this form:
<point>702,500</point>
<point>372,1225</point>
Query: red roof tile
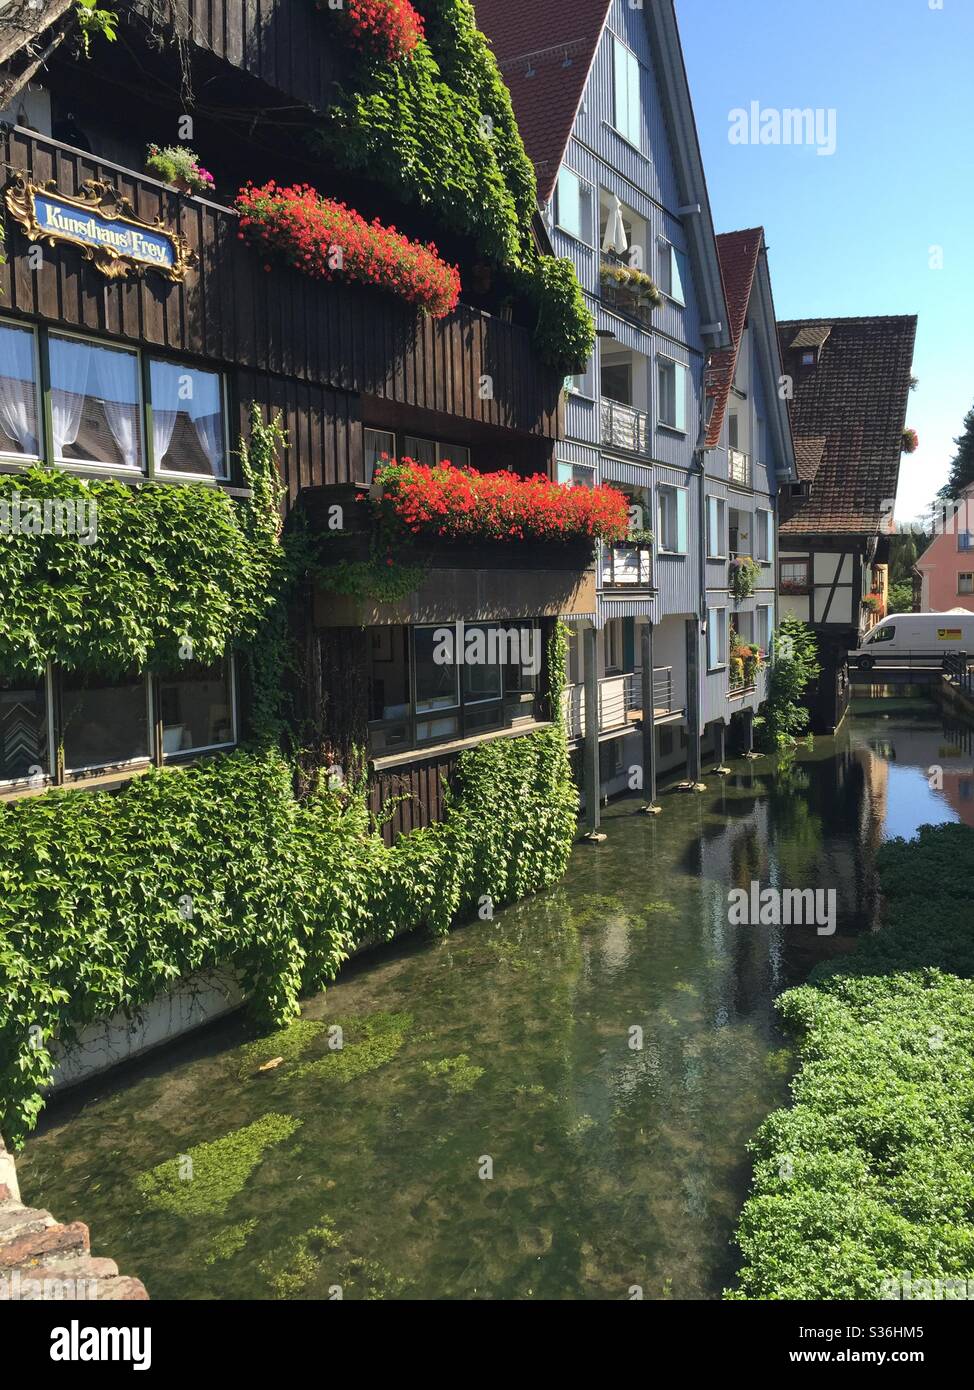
<point>848,411</point>
<point>545,49</point>
<point>738,252</point>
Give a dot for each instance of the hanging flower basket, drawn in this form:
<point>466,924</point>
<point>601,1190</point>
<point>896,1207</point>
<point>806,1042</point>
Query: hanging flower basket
<point>874,603</point>
<point>448,503</point>
<point>385,29</point>
<point>911,441</point>
<point>330,241</point>
<point>179,166</point>
<point>743,576</point>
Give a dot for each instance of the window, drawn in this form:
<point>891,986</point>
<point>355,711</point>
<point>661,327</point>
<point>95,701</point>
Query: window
<point>716,638</point>
<point>577,474</point>
<point>672,394</point>
<point>429,452</point>
<point>765,626</point>
<point>574,204</point>
<point>809,358</point>
<point>673,529</point>
<point>24,732</point>
<point>883,634</point>
<point>795,576</point>
<point>764,539</point>
<point>188,434</point>
<point>19,407</point>
<point>196,708</point>
<point>673,273</point>
<point>104,722</point>
<point>95,403</point>
<point>965,541</point>
<point>716,528</point>
<point>965,583</point>
<point>626,97</point>
<point>614,657</point>
<point>744,627</point>
<point>583,384</point>
<point>375,443</point>
<point>482,680</point>
<point>734,430</point>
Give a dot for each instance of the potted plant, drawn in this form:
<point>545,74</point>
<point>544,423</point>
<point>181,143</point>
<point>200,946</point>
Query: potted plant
<point>627,277</point>
<point>179,166</point>
<point>743,576</point>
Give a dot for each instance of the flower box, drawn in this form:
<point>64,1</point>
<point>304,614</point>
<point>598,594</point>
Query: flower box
<point>385,29</point>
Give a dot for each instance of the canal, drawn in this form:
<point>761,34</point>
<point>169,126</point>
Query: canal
<point>553,1104</point>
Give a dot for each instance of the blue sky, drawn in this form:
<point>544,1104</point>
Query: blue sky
<point>852,232</point>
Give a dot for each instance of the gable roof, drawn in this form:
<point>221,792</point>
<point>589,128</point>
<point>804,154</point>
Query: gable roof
<point>848,414</point>
<point>738,252</point>
<point>545,49</point>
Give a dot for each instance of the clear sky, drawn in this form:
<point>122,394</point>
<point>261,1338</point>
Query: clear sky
<point>852,232</point>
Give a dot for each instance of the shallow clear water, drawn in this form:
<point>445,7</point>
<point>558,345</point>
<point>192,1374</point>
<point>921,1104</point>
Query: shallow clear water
<point>618,1158</point>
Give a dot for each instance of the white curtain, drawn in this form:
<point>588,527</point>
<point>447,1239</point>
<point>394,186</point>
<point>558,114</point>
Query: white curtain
<point>209,431</point>
<point>117,385</point>
<point>164,380</point>
<point>70,363</point>
<point>18,399</point>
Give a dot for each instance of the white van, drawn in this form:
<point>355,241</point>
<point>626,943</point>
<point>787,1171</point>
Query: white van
<point>931,635</point>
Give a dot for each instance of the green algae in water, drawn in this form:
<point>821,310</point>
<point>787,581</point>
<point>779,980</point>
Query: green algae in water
<point>218,1170</point>
<point>292,1267</point>
<point>458,1072</point>
<point>383,1036</point>
<point>287,1043</point>
<point>229,1241</point>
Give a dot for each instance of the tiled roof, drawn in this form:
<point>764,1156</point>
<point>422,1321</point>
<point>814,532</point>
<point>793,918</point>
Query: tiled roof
<point>738,252</point>
<point>545,50</point>
<point>855,400</point>
<point>812,335</point>
<point>809,452</point>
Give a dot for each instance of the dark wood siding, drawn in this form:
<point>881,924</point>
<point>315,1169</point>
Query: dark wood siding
<point>422,785</point>
<point>346,338</point>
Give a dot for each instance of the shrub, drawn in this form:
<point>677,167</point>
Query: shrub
<point>794,666</point>
<point>329,241</point>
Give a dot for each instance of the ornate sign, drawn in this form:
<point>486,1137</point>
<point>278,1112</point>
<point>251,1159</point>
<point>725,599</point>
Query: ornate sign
<point>102,224</point>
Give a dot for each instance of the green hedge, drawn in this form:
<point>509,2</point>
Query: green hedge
<point>107,899</point>
<point>869,1174</point>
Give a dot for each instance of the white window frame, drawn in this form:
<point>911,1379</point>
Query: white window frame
<point>676,489</point>
<point>718,504</point>
<point>717,627</point>
<point>12,783</point>
<point>585,190</point>
<point>87,465</point>
<point>234,731</point>
<point>144,760</point>
<point>764,518</point>
<point>674,269</point>
<point>619,48</point>
<point>153,465</point>
<point>681,373</point>
<point>765,626</point>
<point>39,412</point>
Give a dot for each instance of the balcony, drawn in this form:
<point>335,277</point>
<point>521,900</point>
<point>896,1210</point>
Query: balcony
<point>626,299</point>
<point>625,427</point>
<point>627,567</point>
<point>620,701</point>
<point>739,468</point>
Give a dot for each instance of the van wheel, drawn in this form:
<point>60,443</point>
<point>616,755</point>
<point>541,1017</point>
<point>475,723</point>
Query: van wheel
<point>866,663</point>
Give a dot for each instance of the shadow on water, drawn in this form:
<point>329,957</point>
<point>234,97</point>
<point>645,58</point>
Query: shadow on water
<point>606,1048</point>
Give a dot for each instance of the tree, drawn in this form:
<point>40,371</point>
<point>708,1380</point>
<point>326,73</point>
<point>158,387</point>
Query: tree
<point>32,30</point>
<point>901,597</point>
<point>962,468</point>
<point>794,666</point>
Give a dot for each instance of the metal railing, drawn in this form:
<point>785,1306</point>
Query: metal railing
<point>627,567</point>
<point>739,467</point>
<point>957,666</point>
<point>620,701</point>
<point>625,427</point>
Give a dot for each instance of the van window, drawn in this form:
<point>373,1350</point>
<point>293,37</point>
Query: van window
<point>883,634</point>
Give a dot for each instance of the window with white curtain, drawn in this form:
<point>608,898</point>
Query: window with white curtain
<point>188,434</point>
<point>95,403</point>
<point>19,404</point>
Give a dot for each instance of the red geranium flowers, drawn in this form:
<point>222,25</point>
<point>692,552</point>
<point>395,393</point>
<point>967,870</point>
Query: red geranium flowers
<point>389,29</point>
<point>329,241</point>
<point>444,502</point>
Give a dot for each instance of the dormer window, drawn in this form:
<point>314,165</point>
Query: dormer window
<point>810,357</point>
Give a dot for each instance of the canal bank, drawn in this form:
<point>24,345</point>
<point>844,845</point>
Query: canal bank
<point>552,1104</point>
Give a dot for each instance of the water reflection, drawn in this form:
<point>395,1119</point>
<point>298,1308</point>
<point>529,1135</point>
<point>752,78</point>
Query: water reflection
<point>610,1046</point>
